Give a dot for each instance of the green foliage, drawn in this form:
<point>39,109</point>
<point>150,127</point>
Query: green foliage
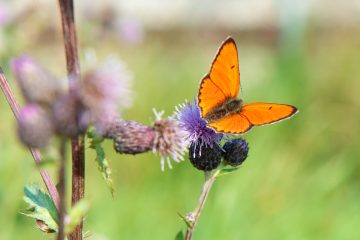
<point>102,161</point>
<point>226,170</point>
<point>180,235</point>
<point>41,207</point>
<point>75,215</point>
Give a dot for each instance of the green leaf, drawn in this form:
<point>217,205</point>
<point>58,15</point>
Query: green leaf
<point>227,170</point>
<point>41,207</point>
<point>75,215</point>
<point>103,163</point>
<point>180,235</point>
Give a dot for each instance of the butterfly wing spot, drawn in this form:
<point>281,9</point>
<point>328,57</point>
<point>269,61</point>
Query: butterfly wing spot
<point>232,66</point>
<point>270,108</point>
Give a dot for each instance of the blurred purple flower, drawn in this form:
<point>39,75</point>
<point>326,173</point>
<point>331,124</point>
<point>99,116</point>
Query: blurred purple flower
<point>66,112</point>
<point>5,14</point>
<point>198,133</point>
<point>34,126</point>
<point>104,90</point>
<point>131,30</point>
<point>37,84</point>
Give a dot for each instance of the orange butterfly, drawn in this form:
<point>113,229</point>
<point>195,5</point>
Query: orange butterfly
<point>218,100</point>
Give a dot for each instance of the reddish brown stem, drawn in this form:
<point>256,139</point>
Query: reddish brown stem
<point>34,152</point>
<point>73,69</point>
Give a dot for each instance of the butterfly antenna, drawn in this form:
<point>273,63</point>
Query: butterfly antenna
<point>242,92</point>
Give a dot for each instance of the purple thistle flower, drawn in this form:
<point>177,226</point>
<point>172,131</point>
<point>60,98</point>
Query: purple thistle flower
<point>198,133</point>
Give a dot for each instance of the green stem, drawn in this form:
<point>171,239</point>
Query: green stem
<point>62,189</point>
<point>193,217</point>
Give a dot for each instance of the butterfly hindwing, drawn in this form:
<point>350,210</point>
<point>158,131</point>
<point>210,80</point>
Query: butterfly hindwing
<point>223,80</point>
<point>260,113</point>
<point>235,124</point>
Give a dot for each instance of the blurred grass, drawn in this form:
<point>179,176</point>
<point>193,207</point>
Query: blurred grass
<point>301,180</point>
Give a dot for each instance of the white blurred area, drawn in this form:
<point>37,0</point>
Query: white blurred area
<point>208,14</point>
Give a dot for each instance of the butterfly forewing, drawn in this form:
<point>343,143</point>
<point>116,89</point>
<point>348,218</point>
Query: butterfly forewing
<point>223,80</point>
<point>265,113</point>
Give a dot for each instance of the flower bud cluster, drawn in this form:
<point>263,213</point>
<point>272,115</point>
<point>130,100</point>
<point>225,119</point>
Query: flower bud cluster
<point>50,109</point>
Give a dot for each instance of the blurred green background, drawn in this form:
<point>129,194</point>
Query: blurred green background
<point>301,179</point>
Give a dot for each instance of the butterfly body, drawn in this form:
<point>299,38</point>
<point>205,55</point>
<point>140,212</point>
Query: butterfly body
<point>218,97</point>
<point>231,106</point>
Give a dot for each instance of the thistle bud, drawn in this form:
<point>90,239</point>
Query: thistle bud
<point>37,85</point>
<point>34,126</point>
<point>130,137</point>
<point>236,151</point>
<point>205,158</point>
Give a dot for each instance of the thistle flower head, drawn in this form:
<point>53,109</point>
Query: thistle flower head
<point>197,131</point>
<point>37,84</point>
<point>34,126</point>
<point>169,141</point>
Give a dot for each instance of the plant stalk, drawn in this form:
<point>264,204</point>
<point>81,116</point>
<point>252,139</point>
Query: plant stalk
<point>62,190</point>
<point>194,215</point>
<point>73,69</point>
<point>50,186</point>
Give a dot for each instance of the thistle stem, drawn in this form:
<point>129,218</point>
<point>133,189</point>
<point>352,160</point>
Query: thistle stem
<point>194,215</point>
<point>62,190</point>
<point>73,69</point>
<point>50,186</point>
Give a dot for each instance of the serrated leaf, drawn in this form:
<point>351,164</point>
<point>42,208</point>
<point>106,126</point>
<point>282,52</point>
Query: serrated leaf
<point>75,215</point>
<point>179,235</point>
<point>103,163</point>
<point>41,207</point>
